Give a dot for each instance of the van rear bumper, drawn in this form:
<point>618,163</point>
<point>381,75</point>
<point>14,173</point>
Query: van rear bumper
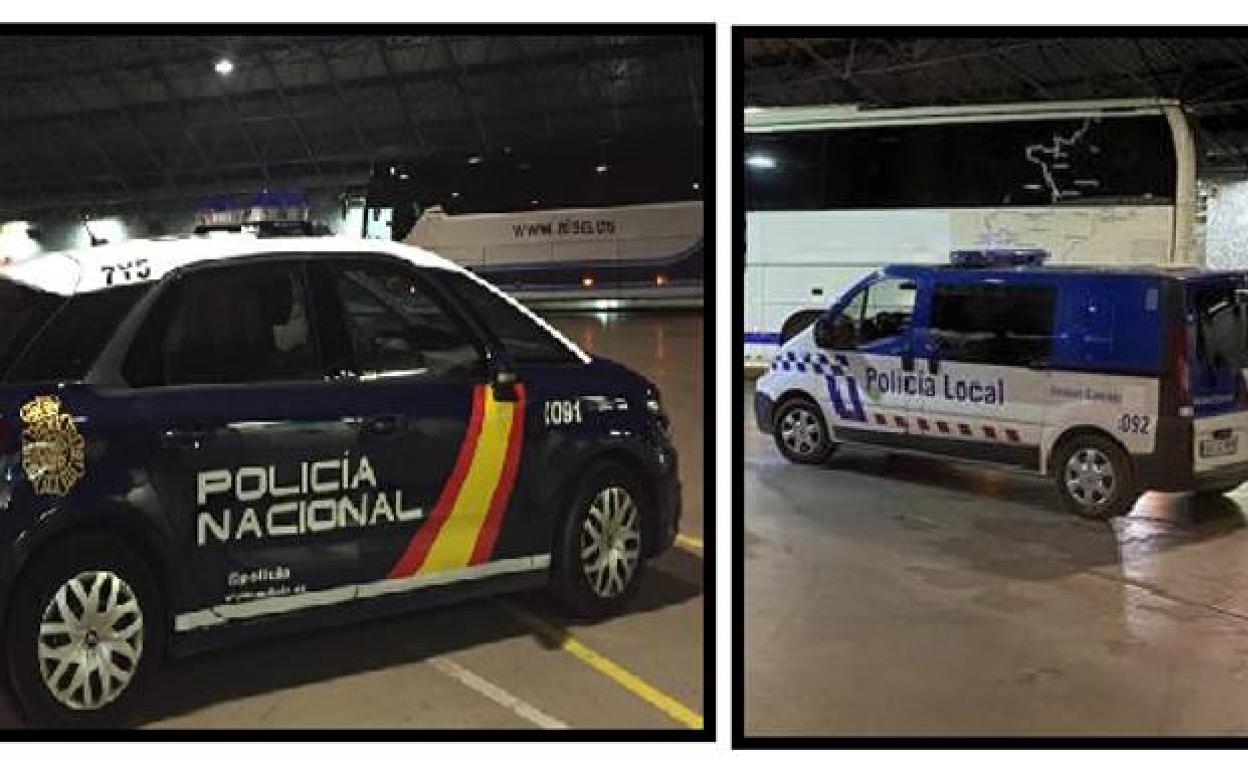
<point>1169,469</point>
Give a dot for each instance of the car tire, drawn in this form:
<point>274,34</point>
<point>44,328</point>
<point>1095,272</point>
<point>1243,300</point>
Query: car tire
<point>52,627</point>
<point>1094,477</point>
<point>598,560</point>
<point>800,432</point>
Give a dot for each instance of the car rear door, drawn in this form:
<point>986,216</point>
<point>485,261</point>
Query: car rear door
<point>245,440</point>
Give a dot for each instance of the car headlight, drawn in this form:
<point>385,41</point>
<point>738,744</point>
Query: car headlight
<point>654,407</point>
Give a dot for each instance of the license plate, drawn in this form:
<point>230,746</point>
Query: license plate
<point>1219,447</point>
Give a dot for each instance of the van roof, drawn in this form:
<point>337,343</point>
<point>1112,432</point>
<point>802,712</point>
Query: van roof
<point>1176,272</point>
<point>86,270</point>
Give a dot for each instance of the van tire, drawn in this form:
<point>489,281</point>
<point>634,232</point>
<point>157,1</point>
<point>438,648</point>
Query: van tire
<point>589,590</point>
<point>1094,476</point>
<point>801,433</point>
<point>126,577</point>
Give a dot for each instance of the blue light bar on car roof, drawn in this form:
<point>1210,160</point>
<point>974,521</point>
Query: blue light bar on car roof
<point>998,257</point>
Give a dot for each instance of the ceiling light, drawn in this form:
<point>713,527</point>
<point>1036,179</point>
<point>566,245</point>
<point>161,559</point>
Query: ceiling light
<point>533,202</point>
<point>454,195</point>
<point>760,161</point>
<point>602,168</point>
<point>587,281</point>
<point>697,186</point>
<point>474,160</point>
<point>404,176</point>
<point>224,67</point>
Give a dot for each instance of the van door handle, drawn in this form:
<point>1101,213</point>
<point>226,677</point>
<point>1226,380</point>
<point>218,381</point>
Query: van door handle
<point>384,424</point>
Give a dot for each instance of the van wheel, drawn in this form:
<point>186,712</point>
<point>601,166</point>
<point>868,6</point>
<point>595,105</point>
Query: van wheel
<point>800,432</point>
<point>1094,477</point>
<point>598,563</point>
<point>85,633</point>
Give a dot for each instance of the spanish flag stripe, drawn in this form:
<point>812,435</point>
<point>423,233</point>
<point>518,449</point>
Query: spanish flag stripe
<point>484,547</point>
<point>452,549</point>
<point>421,542</point>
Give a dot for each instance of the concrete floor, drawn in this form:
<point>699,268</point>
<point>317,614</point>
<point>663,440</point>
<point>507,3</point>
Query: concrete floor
<point>409,671</point>
<point>896,595</point>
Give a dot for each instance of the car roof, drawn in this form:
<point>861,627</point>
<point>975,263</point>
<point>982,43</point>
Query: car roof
<point>1073,270</point>
<point>80,271</point>
<point>86,270</point>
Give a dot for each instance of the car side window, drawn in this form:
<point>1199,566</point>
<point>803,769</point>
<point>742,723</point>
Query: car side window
<point>227,325</point>
<point>524,339</point>
<point>395,326</point>
<point>877,312</point>
<point>992,323</point>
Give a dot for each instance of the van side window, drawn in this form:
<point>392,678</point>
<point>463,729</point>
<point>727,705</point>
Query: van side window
<point>227,325</point>
<point>993,324</point>
<point>878,312</point>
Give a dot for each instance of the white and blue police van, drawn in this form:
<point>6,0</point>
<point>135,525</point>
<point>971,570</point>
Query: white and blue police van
<point>206,440</point>
<point>1110,380</point>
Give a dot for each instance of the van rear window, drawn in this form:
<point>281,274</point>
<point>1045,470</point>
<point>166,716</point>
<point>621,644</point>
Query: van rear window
<point>1218,318</point>
<point>62,337</point>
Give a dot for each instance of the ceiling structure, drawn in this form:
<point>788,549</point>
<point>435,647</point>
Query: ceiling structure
<point>93,122</point>
<point>1209,75</point>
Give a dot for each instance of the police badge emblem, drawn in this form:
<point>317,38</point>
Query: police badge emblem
<point>52,448</point>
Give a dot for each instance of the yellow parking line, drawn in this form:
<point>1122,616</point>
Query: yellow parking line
<point>560,638</point>
<point>689,542</point>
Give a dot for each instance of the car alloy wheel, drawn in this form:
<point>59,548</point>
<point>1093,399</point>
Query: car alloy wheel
<point>610,541</point>
<point>90,640</point>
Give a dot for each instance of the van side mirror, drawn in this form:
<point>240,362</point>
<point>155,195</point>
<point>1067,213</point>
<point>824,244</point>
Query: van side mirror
<point>835,333</point>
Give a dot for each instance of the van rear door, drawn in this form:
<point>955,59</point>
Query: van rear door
<point>1216,319</point>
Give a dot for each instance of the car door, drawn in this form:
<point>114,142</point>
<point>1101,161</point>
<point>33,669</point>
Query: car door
<point>249,451</point>
<point>439,433</point>
<point>864,361</point>
<point>986,344</point>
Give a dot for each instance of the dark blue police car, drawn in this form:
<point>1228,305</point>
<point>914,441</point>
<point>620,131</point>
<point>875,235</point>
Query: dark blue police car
<point>206,439</point>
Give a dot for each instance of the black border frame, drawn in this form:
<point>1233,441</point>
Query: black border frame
<point>704,31</point>
<point>737,125</point>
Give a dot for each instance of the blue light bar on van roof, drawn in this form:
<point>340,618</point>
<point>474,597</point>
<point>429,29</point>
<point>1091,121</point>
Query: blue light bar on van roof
<point>998,257</point>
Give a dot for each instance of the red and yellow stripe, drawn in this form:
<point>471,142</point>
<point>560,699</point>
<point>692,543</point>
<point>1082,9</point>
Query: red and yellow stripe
<point>468,515</point>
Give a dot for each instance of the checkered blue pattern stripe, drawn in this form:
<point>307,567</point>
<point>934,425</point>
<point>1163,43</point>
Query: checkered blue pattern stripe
<point>818,363</point>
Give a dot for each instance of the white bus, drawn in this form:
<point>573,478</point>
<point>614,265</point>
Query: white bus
<point>834,192</point>
<point>582,258</point>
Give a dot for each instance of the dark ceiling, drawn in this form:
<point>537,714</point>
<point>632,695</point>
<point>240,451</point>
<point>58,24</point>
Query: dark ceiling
<point>1209,75</point>
<point>115,121</point>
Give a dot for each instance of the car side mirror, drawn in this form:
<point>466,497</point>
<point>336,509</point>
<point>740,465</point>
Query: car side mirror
<point>503,382</point>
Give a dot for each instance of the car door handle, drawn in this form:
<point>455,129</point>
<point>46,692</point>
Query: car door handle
<point>190,437</point>
<point>384,424</point>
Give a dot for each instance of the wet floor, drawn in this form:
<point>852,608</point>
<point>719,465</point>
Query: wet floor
<point>479,663</point>
<point>887,594</point>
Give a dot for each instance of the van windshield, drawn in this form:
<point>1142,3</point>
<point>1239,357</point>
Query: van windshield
<point>1218,335</point>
